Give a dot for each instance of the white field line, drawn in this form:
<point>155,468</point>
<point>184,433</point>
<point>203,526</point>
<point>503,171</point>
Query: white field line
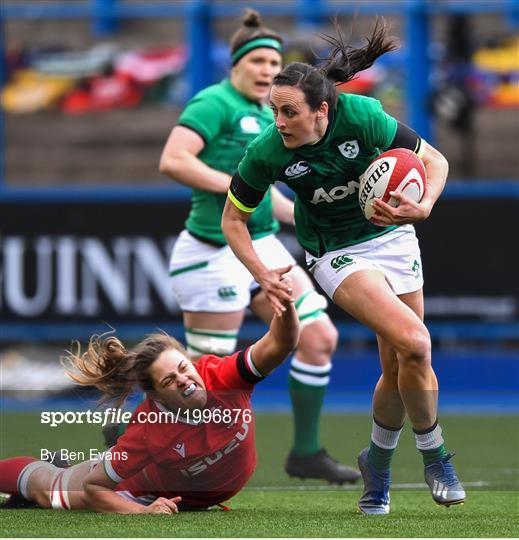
<point>328,487</point>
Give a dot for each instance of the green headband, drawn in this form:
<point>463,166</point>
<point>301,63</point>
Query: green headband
<point>270,43</point>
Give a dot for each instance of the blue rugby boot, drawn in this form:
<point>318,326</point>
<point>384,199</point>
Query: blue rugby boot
<point>375,499</point>
<point>441,477</point>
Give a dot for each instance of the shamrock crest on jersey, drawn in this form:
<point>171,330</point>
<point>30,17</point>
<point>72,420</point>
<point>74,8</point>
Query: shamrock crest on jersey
<point>349,149</point>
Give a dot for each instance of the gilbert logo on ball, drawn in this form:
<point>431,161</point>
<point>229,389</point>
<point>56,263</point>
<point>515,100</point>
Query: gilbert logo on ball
<point>399,170</point>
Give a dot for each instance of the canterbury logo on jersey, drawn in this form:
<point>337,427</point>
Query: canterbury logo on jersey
<point>207,461</point>
<point>297,169</point>
<point>341,261</point>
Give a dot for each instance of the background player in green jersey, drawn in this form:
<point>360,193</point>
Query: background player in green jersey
<point>319,145</point>
<point>212,287</point>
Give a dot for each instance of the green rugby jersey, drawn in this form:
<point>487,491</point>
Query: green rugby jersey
<point>324,176</point>
<point>228,122</point>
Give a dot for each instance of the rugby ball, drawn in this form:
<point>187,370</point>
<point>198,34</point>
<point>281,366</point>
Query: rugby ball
<point>399,170</point>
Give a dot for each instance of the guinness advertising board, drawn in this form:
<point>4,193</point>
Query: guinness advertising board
<point>78,261</point>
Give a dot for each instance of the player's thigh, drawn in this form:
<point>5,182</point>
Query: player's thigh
<point>415,301</point>
<point>301,281</point>
<point>212,333</point>
<point>230,320</point>
<point>367,296</point>
<point>260,306</point>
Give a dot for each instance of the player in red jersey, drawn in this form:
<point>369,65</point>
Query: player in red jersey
<point>189,444</point>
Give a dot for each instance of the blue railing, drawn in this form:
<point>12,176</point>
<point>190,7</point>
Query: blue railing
<point>483,333</point>
<point>467,189</point>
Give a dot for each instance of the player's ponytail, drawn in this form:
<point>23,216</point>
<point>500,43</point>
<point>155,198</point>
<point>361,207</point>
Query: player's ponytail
<point>107,365</point>
<point>342,65</point>
<point>345,61</point>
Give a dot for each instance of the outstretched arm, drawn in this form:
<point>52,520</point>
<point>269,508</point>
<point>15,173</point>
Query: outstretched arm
<point>234,227</point>
<point>280,340</point>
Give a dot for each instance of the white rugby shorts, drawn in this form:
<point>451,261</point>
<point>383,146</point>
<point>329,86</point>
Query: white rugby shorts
<point>210,278</point>
<point>395,254</point>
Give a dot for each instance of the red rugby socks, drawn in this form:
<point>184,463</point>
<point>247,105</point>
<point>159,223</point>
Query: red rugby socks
<point>10,471</point>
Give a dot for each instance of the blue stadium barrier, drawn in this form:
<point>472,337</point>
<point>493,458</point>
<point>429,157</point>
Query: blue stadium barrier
<point>448,331</point>
<point>466,189</point>
<point>471,383</point>
<point>483,332</point>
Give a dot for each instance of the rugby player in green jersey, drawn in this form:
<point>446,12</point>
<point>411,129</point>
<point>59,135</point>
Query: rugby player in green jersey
<point>211,285</point>
<point>320,144</point>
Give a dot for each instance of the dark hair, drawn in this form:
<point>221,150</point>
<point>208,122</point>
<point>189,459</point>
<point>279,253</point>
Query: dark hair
<point>108,366</point>
<point>342,65</point>
<point>251,28</point>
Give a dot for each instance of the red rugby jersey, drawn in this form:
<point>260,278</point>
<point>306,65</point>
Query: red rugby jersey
<point>204,463</point>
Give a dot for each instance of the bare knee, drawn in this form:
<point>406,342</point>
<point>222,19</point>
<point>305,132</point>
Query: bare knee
<point>415,346</point>
<point>318,342</point>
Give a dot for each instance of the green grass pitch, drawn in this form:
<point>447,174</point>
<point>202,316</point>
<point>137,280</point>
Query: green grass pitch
<point>274,505</point>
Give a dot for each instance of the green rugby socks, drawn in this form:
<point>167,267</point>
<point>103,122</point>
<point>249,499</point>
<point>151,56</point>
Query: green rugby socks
<point>430,443</point>
<point>307,385</point>
<point>384,440</point>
